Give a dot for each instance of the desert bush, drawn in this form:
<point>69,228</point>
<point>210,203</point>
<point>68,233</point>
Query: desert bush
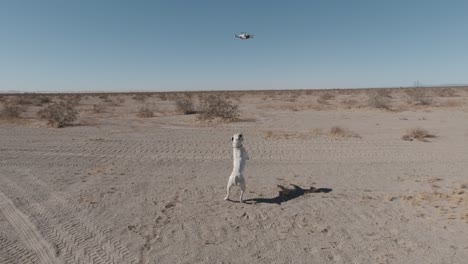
<point>145,112</point>
<point>349,103</point>
<point>418,134</point>
<point>23,100</point>
<point>291,97</point>
<point>121,100</point>
<point>11,111</point>
<point>384,92</point>
<point>59,114</point>
<point>98,108</point>
<point>327,96</point>
<point>162,96</point>
<point>140,97</point>
<point>309,92</point>
<point>213,106</point>
<point>103,96</point>
<point>445,92</point>
<point>379,100</point>
<point>72,100</point>
<point>450,103</point>
<point>337,131</point>
<point>41,100</point>
<point>185,105</point>
<point>324,97</point>
<point>419,96</point>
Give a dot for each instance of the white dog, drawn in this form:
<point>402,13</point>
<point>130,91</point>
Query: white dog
<point>239,156</point>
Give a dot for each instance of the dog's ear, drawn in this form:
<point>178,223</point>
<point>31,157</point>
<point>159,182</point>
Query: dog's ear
<point>240,136</point>
<point>232,138</point>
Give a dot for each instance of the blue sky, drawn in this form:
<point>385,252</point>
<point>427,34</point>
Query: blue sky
<point>117,45</point>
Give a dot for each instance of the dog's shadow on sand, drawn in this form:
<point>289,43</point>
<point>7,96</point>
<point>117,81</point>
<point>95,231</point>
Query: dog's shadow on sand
<point>286,194</point>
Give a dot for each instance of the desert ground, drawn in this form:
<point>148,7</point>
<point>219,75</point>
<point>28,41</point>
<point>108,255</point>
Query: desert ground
<point>136,178</point>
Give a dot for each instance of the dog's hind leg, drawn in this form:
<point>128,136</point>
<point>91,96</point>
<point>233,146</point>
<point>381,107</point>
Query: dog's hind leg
<point>229,185</point>
<point>242,187</point>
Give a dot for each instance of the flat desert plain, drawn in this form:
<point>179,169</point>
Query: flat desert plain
<point>114,186</point>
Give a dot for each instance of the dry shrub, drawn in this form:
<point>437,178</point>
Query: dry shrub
<point>349,103</point>
<point>145,112</point>
<point>162,96</point>
<point>417,133</point>
<point>23,100</point>
<point>323,99</point>
<point>185,105</point>
<point>291,106</point>
<point>445,92</point>
<point>41,100</point>
<point>419,96</point>
<point>309,92</point>
<point>72,100</point>
<point>384,92</point>
<point>59,114</point>
<point>327,96</point>
<point>379,99</point>
<point>293,97</point>
<point>340,132</point>
<point>140,97</point>
<point>213,106</point>
<point>450,103</point>
<point>11,111</point>
<point>37,100</point>
<point>103,96</point>
<point>98,108</point>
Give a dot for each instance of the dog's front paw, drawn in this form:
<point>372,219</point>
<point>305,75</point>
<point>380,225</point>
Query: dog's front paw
<point>226,198</point>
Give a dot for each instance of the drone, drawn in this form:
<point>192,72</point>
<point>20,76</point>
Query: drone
<point>244,36</point>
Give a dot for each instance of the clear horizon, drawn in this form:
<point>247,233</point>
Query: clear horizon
<point>53,46</point>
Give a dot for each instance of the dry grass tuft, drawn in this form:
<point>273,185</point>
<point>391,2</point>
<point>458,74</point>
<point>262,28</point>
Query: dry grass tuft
<point>340,132</point>
<point>418,134</point>
<point>302,135</point>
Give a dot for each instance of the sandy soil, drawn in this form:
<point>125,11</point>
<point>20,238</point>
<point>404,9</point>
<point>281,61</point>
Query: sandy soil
<point>120,189</point>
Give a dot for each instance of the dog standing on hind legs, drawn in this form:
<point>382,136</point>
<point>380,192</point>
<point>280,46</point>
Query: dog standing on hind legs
<point>239,157</point>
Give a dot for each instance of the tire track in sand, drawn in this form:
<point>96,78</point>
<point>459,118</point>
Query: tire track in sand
<point>27,231</point>
<point>77,237</point>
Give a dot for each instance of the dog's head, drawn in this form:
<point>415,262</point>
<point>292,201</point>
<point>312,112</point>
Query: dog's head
<point>237,140</point>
